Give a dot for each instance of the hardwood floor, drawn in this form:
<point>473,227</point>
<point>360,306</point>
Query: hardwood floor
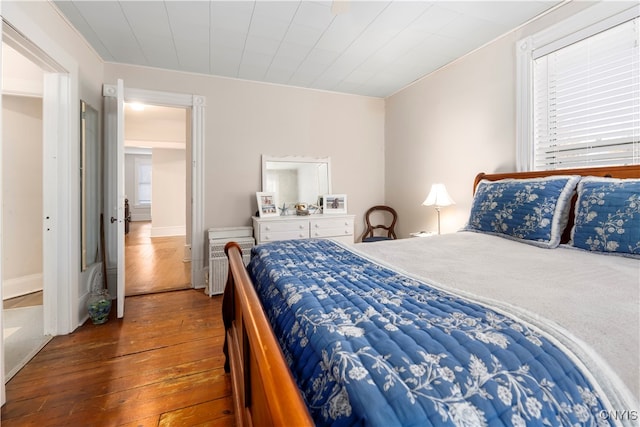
<point>162,365</point>
<point>154,264</point>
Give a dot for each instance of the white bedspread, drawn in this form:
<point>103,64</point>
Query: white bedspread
<point>588,302</point>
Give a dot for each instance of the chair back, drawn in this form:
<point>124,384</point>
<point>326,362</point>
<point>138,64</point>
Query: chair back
<point>388,227</point>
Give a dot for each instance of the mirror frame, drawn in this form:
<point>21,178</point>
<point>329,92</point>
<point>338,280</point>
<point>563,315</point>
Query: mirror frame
<point>90,185</point>
<point>296,159</point>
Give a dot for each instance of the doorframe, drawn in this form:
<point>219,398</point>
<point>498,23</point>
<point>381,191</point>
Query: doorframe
<point>197,104</point>
<point>61,158</point>
<point>60,162</point>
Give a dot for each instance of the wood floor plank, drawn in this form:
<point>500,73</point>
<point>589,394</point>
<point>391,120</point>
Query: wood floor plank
<point>160,365</point>
<point>154,264</point>
<point>206,412</point>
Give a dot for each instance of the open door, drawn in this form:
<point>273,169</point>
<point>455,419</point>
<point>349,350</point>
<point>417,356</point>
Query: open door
<point>114,188</point>
<point>3,398</point>
<point>120,190</point>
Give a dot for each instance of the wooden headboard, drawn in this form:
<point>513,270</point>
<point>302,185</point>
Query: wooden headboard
<point>632,171</point>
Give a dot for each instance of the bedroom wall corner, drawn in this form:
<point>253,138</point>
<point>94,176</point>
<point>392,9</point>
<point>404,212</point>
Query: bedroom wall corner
<point>446,128</point>
<point>451,125</point>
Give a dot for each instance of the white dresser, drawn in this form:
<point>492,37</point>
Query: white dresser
<point>334,226</point>
<point>218,264</point>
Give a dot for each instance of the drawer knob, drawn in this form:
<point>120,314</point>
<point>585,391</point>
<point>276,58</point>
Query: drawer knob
<point>267,228</point>
<point>301,226</point>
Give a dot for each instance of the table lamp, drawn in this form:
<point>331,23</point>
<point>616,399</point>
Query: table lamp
<point>439,198</point>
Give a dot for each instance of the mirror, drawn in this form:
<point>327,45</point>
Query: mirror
<point>296,179</point>
<point>89,184</point>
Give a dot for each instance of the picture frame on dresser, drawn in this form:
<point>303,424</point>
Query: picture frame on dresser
<point>267,204</point>
<point>334,204</point>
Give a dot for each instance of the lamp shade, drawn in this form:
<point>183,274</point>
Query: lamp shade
<point>438,196</point>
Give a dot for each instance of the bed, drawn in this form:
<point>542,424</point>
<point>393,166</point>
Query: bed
<point>503,323</point>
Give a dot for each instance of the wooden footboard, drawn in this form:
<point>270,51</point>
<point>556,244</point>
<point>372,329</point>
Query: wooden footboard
<point>264,392</point>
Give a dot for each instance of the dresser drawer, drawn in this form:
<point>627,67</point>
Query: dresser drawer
<point>332,232</point>
<point>303,227</point>
<point>285,227</point>
<point>331,227</point>
<point>272,236</point>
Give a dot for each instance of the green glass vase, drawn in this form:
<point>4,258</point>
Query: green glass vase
<point>99,306</point>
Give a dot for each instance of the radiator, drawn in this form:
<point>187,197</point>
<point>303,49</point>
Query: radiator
<point>218,263</point>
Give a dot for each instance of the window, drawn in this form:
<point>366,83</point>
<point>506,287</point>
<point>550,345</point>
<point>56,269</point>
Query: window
<point>585,97</point>
<point>143,181</point>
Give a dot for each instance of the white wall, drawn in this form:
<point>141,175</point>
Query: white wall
<point>19,75</point>
<point>155,125</point>
<point>245,120</point>
<point>451,125</point>
<point>21,195</point>
<point>168,192</point>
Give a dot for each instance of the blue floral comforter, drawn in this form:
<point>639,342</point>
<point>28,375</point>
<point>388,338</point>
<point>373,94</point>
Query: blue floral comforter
<point>370,346</point>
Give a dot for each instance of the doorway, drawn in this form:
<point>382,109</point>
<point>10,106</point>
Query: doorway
<point>22,210</point>
<point>157,256</point>
<point>115,97</point>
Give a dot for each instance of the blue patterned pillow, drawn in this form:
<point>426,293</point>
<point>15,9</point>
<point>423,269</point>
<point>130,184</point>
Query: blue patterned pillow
<point>533,210</point>
<point>608,216</point>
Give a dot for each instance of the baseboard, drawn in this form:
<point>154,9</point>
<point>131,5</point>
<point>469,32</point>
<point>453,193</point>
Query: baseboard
<point>20,286</point>
<point>179,230</point>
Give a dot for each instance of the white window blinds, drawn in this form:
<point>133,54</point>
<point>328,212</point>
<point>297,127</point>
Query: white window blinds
<point>586,101</point>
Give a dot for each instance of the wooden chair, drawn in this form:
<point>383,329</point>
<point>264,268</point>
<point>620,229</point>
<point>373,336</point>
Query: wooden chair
<point>379,212</point>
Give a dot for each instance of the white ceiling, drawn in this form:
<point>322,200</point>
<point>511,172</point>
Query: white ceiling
<point>372,48</point>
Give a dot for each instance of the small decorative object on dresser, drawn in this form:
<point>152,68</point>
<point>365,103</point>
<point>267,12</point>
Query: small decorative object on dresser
<point>302,209</point>
<point>267,204</point>
<point>334,204</point>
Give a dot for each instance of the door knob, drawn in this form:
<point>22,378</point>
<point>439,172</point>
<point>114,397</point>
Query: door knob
<point>113,220</point>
